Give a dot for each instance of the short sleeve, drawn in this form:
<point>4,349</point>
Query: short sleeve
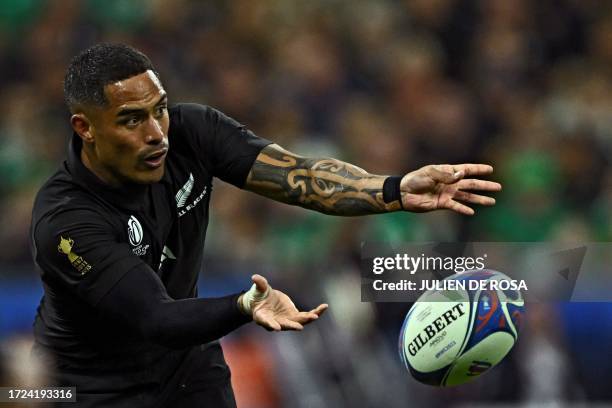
<point>224,146</point>
<point>78,250</point>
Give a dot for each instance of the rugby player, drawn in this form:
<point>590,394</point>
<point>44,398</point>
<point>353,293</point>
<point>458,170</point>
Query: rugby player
<point>118,234</point>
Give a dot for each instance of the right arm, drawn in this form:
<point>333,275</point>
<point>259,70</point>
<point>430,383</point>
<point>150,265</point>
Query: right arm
<point>83,252</point>
<point>157,318</point>
<point>80,250</point>
<point>140,301</point>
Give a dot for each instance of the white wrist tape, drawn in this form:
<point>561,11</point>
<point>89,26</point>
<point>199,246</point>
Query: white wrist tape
<point>251,296</point>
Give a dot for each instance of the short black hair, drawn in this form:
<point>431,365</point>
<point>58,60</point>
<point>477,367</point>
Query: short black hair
<point>94,68</point>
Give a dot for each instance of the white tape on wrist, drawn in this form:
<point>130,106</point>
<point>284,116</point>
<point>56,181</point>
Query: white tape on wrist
<point>248,298</point>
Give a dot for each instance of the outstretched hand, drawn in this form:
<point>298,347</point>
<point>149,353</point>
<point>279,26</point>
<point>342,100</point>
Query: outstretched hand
<point>444,186</point>
<point>274,310</point>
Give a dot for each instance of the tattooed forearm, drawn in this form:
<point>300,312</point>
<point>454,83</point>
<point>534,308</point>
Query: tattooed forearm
<point>326,185</point>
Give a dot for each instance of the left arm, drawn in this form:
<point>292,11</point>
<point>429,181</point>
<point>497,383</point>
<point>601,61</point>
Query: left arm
<point>334,187</point>
<point>329,186</point>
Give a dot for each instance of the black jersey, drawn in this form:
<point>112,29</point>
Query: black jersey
<point>87,235</point>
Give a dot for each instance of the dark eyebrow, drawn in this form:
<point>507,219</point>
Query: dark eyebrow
<point>131,111</point>
<point>162,100</point>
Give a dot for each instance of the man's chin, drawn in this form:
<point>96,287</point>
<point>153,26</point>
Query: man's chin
<point>150,176</point>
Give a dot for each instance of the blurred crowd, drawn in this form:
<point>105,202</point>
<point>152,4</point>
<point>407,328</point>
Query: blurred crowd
<point>388,85</point>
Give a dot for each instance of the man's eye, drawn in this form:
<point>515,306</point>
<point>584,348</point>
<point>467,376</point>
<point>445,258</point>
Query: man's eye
<point>131,122</point>
<point>159,111</point>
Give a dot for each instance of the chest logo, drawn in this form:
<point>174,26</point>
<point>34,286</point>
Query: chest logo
<point>184,192</point>
<point>183,195</point>
<point>135,235</point>
<point>134,231</point>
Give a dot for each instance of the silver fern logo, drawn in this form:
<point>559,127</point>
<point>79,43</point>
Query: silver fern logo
<point>184,192</point>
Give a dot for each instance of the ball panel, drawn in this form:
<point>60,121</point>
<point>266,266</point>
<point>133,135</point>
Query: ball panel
<point>515,312</point>
<point>477,360</point>
<point>430,378</point>
<point>490,317</point>
<point>434,334</point>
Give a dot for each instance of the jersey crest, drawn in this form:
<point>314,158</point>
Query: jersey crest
<point>184,192</point>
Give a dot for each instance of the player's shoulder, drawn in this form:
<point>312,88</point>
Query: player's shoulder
<point>188,110</point>
<point>62,201</point>
<point>186,115</point>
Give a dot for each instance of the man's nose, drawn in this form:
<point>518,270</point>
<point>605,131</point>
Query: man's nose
<point>154,132</point>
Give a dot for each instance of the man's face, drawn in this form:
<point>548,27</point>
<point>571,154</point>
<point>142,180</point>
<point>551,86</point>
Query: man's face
<point>130,134</point>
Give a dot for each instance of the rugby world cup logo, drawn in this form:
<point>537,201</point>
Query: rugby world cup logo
<point>134,231</point>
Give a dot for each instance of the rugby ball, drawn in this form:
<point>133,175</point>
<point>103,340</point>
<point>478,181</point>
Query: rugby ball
<point>454,334</point>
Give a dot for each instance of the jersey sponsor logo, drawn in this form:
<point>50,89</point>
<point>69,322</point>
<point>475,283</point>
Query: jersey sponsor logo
<point>135,235</point>
<point>184,192</point>
<point>65,247</point>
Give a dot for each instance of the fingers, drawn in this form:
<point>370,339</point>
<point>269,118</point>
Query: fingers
<point>474,198</point>
<point>475,184</point>
<point>305,317</point>
<point>446,173</point>
<point>308,317</point>
<point>314,314</point>
<point>445,176</point>
<point>269,323</point>
<point>319,310</point>
<point>460,208</point>
<point>292,321</point>
<point>288,324</point>
<point>281,324</point>
<point>278,323</point>
<point>471,169</point>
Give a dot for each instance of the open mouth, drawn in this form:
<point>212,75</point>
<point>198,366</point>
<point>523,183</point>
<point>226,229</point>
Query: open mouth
<point>156,159</point>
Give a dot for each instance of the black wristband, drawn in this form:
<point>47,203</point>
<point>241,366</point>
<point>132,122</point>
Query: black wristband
<point>391,189</point>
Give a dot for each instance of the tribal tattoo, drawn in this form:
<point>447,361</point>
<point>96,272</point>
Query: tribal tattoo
<point>329,186</point>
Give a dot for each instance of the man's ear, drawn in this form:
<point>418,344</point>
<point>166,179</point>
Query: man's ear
<point>83,127</point>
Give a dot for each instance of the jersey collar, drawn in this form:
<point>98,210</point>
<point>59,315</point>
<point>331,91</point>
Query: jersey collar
<point>132,197</point>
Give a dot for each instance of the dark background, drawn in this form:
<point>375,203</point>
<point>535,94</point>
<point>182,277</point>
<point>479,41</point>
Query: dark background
<point>387,85</point>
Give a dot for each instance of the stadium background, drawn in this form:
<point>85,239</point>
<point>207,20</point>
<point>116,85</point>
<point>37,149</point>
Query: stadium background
<point>388,85</point>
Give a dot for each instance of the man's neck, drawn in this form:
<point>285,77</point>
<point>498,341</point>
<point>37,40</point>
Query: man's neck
<point>99,171</point>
